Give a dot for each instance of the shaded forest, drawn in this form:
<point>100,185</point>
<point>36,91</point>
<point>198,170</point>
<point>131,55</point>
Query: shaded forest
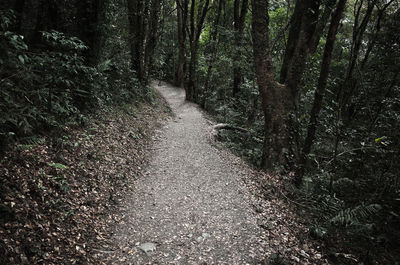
<point>308,91</point>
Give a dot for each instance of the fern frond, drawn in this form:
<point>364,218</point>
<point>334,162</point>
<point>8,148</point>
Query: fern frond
<point>32,140</point>
<point>357,215</point>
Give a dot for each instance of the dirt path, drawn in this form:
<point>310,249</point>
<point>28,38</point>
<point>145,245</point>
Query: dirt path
<point>189,208</point>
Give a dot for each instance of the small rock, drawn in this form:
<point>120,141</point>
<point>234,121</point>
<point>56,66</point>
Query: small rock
<point>147,247</point>
<point>304,254</point>
<point>199,239</point>
<point>205,235</point>
<point>296,259</point>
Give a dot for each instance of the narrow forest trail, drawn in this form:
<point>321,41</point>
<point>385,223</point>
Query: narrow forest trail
<point>199,204</point>
<point>189,208</point>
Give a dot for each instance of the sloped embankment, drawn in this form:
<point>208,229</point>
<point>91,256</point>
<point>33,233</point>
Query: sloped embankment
<point>57,195</point>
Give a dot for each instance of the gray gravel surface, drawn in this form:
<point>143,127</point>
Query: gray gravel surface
<point>190,206</point>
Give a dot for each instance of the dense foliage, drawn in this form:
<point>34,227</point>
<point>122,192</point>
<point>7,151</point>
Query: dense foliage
<point>313,88</point>
<point>50,80</point>
<point>351,183</point>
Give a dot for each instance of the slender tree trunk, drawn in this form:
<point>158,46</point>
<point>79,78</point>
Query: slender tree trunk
<point>294,33</point>
<point>238,23</point>
<point>213,37</point>
<point>180,74</point>
<point>296,70</point>
<point>194,36</point>
<point>329,5</point>
<point>91,17</point>
<point>349,83</point>
<point>372,42</point>
<point>152,37</point>
<point>29,20</point>
<point>276,98</point>
<point>320,90</point>
<point>136,9</point>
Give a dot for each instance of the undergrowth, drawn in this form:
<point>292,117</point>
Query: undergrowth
<point>46,87</point>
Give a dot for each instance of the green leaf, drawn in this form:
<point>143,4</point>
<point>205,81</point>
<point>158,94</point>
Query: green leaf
<point>21,59</point>
<point>57,165</point>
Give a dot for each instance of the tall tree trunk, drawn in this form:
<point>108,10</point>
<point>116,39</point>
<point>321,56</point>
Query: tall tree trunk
<point>296,70</point>
<point>347,89</point>
<point>213,37</point>
<point>194,36</point>
<point>239,18</point>
<point>322,21</point>
<point>181,15</point>
<point>136,10</point>
<point>294,33</point>
<point>29,20</point>
<point>320,90</point>
<point>151,40</point>
<point>372,42</point>
<point>90,19</point>
<point>276,98</point>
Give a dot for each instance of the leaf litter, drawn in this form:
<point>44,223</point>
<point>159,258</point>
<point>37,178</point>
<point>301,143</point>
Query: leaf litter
<point>57,196</point>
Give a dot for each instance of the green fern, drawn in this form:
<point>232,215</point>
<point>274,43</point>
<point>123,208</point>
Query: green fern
<point>355,215</point>
<point>31,140</point>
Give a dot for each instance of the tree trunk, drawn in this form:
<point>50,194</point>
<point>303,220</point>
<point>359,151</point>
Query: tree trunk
<point>372,42</point>
<point>151,40</point>
<point>320,90</point>
<point>329,5</point>
<point>296,70</point>
<point>276,98</point>
<point>239,17</point>
<point>136,10</point>
<point>29,20</point>
<point>90,19</point>
<point>194,36</point>
<point>294,33</point>
<point>344,95</point>
<point>213,37</point>
<point>181,10</point>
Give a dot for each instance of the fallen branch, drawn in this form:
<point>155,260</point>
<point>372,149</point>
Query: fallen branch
<point>225,126</point>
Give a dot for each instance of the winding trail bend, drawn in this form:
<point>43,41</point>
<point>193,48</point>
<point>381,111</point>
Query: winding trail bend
<point>190,207</point>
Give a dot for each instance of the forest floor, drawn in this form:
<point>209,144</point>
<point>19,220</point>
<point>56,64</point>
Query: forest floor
<point>138,185</point>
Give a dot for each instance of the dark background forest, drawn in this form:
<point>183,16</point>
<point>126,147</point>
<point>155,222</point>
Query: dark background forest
<point>305,90</point>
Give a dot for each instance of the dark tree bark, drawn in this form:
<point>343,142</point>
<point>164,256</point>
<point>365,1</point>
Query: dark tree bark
<point>30,12</point>
<point>294,33</point>
<point>152,37</point>
<point>347,89</point>
<point>322,21</point>
<point>213,37</point>
<point>196,25</point>
<point>276,98</point>
<point>136,10</point>
<point>90,20</point>
<point>182,9</point>
<point>239,16</point>
<point>320,90</point>
<point>371,43</point>
<point>297,67</point>
<point>143,26</point>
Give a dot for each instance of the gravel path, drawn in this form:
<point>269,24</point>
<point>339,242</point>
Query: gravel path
<point>190,207</point>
